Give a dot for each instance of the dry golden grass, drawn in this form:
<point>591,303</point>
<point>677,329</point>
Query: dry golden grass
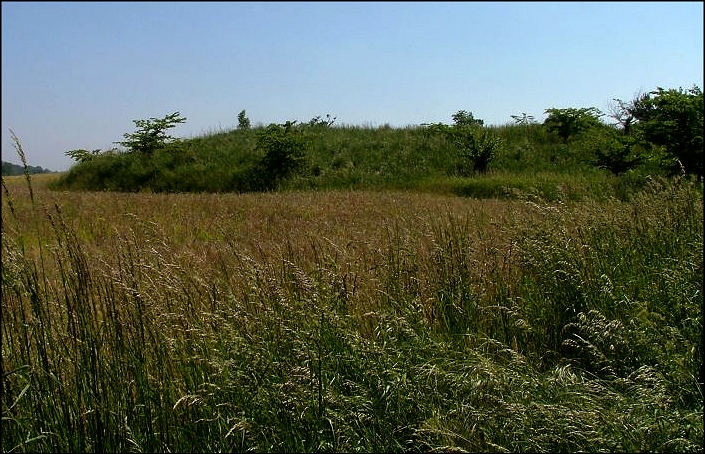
<point>347,320</point>
<point>350,235</point>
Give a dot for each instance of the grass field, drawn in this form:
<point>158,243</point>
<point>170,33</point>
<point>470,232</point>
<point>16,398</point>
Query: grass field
<point>347,320</point>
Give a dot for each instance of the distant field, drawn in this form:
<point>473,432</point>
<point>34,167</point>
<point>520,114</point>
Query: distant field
<point>350,321</point>
<point>39,180</point>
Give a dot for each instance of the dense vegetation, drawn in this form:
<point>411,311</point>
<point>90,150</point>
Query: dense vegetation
<point>659,133</point>
<point>560,309</point>
<point>351,321</point>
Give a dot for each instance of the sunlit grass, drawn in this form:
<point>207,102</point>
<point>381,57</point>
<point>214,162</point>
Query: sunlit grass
<point>351,321</point>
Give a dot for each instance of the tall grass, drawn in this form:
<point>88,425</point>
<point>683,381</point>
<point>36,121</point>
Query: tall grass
<point>351,321</point>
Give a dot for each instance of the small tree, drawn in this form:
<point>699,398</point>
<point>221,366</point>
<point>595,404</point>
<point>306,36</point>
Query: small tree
<point>82,155</point>
<point>673,119</point>
<point>463,118</point>
<point>242,121</point>
<point>319,122</point>
<point>611,149</point>
<point>283,150</point>
<point>523,119</point>
<point>477,145</point>
<point>566,123</point>
<point>150,134</point>
<point>625,112</point>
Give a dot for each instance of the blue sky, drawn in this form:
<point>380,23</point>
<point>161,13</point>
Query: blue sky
<point>75,75</point>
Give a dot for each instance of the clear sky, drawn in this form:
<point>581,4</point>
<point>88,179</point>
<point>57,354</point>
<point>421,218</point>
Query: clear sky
<point>75,75</point>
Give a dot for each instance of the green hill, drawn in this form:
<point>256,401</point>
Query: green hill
<point>571,155</point>
<point>529,160</point>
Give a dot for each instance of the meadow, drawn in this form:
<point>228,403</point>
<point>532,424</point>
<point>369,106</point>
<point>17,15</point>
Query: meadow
<point>355,320</point>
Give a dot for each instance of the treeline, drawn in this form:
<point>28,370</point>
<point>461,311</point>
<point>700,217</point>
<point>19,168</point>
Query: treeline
<point>657,133</point>
<point>10,169</point>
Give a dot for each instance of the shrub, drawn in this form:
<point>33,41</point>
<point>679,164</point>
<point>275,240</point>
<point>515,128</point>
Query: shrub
<point>477,145</point>
<point>566,123</point>
<point>283,150</point>
<point>609,149</point>
<point>318,121</point>
<point>673,119</point>
<point>463,118</point>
